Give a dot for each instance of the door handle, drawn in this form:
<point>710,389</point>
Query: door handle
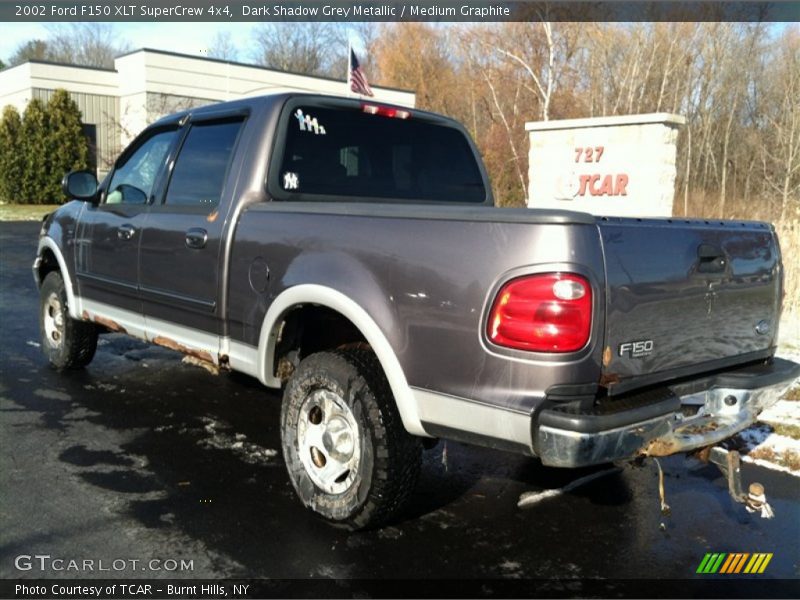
<point>196,238</point>
<point>126,232</point>
<point>711,259</point>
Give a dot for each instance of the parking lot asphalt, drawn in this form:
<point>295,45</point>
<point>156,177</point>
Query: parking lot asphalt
<point>143,457</point>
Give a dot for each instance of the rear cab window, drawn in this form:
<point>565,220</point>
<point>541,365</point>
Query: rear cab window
<point>371,152</point>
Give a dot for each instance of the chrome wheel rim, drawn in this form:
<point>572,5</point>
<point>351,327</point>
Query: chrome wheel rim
<point>328,441</point>
<point>53,321</point>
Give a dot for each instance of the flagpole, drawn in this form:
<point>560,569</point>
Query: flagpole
<point>349,64</point>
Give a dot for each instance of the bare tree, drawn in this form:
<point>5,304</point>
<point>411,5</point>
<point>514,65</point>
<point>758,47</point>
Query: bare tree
<point>510,133</point>
<point>430,69</point>
<point>308,48</point>
<point>30,50</point>
<point>223,47</point>
<point>366,35</point>
<point>89,44</point>
<point>517,43</point>
<point>780,144</point>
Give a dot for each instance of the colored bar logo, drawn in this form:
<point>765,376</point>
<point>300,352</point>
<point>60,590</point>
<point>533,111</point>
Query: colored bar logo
<point>733,563</point>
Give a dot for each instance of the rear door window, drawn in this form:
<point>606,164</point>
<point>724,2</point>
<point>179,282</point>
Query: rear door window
<point>202,165</point>
<point>352,153</point>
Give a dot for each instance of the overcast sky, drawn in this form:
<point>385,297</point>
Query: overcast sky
<point>187,38</point>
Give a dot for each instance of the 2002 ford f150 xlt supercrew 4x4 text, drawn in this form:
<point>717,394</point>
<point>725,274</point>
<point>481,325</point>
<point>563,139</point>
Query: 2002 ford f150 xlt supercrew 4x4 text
<point>350,253</point>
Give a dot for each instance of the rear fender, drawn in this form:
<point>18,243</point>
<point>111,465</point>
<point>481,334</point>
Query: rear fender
<point>339,302</point>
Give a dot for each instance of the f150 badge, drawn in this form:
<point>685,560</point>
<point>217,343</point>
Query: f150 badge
<point>636,349</point>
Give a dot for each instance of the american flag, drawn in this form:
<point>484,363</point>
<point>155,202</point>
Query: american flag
<point>357,80</point>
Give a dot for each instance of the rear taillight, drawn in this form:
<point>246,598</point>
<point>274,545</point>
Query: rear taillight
<point>548,312</point>
<point>385,111</point>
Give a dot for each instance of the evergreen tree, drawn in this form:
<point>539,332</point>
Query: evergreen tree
<point>10,157</point>
<point>33,150</point>
<point>69,148</point>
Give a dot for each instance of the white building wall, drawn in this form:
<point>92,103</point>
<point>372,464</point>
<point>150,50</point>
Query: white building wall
<point>83,80</point>
<point>18,99</point>
<point>195,77</point>
<point>15,86</point>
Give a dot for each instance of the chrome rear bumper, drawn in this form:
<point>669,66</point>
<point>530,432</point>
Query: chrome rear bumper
<point>729,403</point>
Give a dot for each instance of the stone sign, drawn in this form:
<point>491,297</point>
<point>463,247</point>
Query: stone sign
<point>615,166</point>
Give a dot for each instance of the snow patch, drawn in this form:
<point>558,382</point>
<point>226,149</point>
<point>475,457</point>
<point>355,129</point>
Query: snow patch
<point>788,352</point>
<point>221,438</point>
<point>511,569</point>
<point>530,498</point>
<point>784,412</point>
<point>390,533</point>
<point>761,445</point>
<point>52,394</point>
<point>759,436</point>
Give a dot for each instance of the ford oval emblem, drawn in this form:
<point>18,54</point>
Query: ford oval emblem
<point>762,327</point>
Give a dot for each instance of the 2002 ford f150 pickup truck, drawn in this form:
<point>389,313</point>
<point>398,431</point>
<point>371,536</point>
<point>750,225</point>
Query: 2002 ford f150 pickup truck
<point>350,253</point>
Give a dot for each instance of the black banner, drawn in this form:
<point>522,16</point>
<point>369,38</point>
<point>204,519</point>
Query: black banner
<point>707,587</point>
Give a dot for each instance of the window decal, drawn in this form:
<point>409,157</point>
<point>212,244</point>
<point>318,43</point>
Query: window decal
<point>308,123</point>
<point>290,181</point>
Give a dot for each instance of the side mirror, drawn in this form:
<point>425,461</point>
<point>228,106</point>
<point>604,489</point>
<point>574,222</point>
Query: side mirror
<point>81,185</point>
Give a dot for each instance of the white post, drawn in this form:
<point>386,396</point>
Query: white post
<point>349,62</point>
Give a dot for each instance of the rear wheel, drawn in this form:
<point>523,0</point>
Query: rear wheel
<point>67,343</point>
<point>348,456</point>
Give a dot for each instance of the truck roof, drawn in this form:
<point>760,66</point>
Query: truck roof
<point>278,99</point>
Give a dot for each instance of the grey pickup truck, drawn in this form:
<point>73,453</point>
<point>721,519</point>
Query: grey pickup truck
<point>349,253</point>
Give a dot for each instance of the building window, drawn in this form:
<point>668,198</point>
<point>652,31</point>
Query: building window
<point>90,133</point>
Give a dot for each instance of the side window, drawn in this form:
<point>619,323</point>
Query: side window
<point>133,180</point>
<point>199,173</point>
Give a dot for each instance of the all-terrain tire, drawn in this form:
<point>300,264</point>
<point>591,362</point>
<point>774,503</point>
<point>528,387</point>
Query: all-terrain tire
<point>67,343</point>
<point>389,458</point>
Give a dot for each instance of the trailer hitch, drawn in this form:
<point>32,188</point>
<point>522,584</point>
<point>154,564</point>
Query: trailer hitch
<point>729,463</point>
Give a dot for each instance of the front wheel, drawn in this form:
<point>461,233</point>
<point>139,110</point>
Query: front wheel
<point>348,456</point>
<point>67,343</point>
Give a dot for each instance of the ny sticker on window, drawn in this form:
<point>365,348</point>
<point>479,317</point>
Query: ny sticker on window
<point>308,123</point>
<point>290,181</point>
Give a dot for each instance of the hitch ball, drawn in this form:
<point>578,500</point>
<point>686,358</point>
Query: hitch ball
<point>757,501</point>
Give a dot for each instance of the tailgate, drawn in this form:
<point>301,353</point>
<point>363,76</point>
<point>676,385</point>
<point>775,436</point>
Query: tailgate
<point>686,297</point>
